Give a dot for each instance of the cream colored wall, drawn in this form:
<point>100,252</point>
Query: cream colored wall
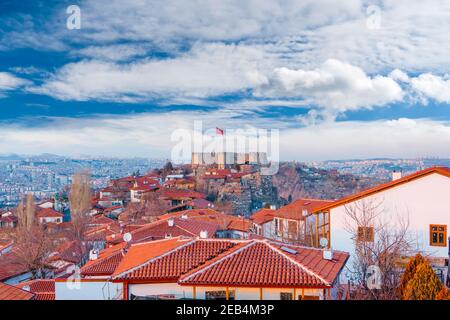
<point>160,288</point>
<point>241,293</point>
<point>88,290</point>
<point>425,201</point>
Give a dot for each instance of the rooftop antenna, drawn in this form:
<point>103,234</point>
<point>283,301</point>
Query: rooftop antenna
<point>127,237</point>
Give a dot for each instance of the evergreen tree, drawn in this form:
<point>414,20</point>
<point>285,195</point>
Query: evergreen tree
<point>444,294</point>
<point>424,285</point>
<point>409,272</point>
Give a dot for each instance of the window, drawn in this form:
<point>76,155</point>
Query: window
<point>292,229</point>
<point>285,296</point>
<point>219,295</point>
<point>365,234</point>
<point>438,235</point>
<point>277,227</point>
<point>307,297</point>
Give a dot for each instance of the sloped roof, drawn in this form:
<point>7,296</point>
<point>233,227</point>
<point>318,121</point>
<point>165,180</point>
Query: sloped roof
<point>48,213</point>
<point>185,255</point>
<point>43,289</point>
<point>140,253</point>
<point>224,221</point>
<point>295,209</point>
<point>262,216</point>
<point>263,263</point>
<point>385,186</point>
<point>8,292</point>
<point>182,227</point>
<point>9,268</point>
<point>106,263</point>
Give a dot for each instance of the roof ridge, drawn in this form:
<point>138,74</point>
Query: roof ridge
<point>153,259</point>
<point>442,170</point>
<point>307,270</point>
<point>218,260</point>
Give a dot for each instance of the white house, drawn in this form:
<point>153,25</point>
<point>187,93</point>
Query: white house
<point>48,215</point>
<point>422,200</point>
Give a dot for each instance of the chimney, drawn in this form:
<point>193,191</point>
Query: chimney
<point>93,254</point>
<point>171,222</point>
<point>184,216</point>
<point>203,234</point>
<point>273,207</point>
<point>328,254</point>
<point>396,175</point>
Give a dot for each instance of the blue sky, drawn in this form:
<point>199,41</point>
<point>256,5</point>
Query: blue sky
<point>354,79</point>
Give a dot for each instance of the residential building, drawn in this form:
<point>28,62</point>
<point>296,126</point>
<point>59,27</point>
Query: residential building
<point>421,200</point>
<point>195,268</point>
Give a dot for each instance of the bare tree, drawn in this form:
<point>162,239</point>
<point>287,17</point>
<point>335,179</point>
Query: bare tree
<point>32,243</point>
<point>80,204</point>
<point>380,243</point>
<point>153,205</point>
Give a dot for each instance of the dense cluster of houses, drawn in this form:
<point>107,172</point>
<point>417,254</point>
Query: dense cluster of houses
<point>195,251</point>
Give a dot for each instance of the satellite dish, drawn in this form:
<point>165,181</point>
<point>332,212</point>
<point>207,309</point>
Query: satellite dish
<point>26,288</point>
<point>323,242</point>
<point>127,237</point>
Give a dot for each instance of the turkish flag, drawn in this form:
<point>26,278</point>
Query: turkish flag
<point>219,131</point>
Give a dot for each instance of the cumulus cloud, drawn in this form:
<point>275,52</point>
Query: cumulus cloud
<point>335,85</point>
<point>428,85</point>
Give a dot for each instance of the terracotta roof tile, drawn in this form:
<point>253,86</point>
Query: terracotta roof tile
<point>182,259</point>
<point>295,209</point>
<point>262,216</point>
<point>263,263</point>
<point>182,227</point>
<point>48,213</point>
<point>140,253</point>
<point>8,292</point>
<point>44,289</point>
<point>106,263</point>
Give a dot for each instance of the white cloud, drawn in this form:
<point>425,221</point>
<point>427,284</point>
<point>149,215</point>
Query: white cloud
<point>163,21</point>
<point>149,135</point>
<point>335,86</point>
<point>432,86</point>
<point>401,138</point>
<point>9,81</point>
<point>206,70</point>
<point>116,52</point>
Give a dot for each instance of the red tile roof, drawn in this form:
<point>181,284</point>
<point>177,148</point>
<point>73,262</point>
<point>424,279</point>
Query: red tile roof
<point>262,263</point>
<point>182,227</point>
<point>8,292</point>
<point>295,209</point>
<point>170,265</point>
<point>262,216</point>
<point>177,194</point>
<point>417,175</point>
<point>48,213</point>
<point>106,263</point>
<point>9,268</point>
<point>224,221</point>
<point>225,262</point>
<point>140,253</point>
<point>44,289</point>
